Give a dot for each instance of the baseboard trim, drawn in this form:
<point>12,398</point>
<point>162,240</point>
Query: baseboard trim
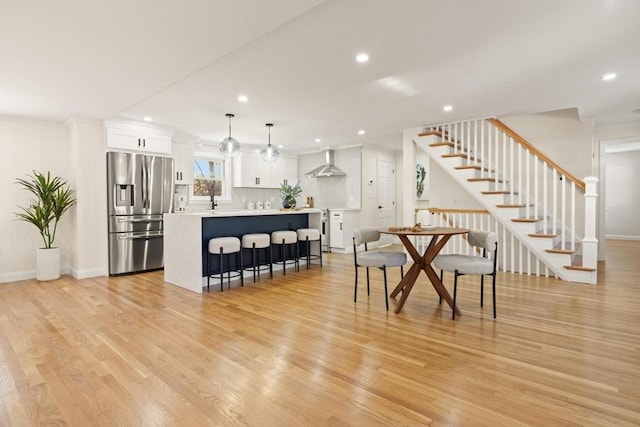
<point>17,275</point>
<point>621,237</point>
<point>87,273</point>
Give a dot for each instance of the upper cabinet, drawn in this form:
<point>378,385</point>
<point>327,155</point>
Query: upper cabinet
<point>183,161</point>
<point>249,170</point>
<point>284,171</point>
<point>127,136</point>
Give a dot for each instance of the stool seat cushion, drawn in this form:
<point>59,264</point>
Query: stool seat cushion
<point>227,244</point>
<point>311,233</point>
<point>286,235</point>
<point>260,239</point>
<point>381,259</point>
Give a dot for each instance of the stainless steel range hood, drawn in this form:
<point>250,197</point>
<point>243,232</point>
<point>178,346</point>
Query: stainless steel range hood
<point>326,170</point>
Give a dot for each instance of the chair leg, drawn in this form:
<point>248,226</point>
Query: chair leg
<point>271,261</point>
<point>481,290</point>
<point>455,291</point>
<point>368,281</point>
<point>308,253</point>
<point>355,287</point>
<point>320,249</point>
<point>494,295</point>
<point>386,297</point>
<point>440,296</point>
<point>401,272</point>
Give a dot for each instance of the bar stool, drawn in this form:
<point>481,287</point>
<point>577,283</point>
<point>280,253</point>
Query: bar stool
<point>224,247</point>
<point>254,242</point>
<point>308,235</point>
<point>285,238</point>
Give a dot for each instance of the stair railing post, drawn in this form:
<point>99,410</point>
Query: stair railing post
<point>590,242</point>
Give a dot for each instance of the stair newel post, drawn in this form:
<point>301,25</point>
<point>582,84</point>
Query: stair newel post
<point>590,242</point>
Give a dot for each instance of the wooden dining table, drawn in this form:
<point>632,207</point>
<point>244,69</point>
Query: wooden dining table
<point>439,237</point>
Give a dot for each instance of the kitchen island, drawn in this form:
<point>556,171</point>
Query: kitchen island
<point>186,236</point>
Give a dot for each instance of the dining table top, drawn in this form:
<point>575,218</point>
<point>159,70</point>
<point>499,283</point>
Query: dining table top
<point>423,231</point>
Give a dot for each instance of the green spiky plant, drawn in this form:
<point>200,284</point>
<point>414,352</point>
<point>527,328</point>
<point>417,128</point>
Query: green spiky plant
<point>52,197</point>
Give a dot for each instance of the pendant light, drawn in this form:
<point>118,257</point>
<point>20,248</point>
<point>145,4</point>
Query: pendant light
<point>229,146</point>
<point>269,153</point>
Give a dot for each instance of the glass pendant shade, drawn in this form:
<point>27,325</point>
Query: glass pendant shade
<point>269,153</point>
<point>229,146</point>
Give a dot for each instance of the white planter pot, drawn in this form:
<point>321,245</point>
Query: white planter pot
<point>47,264</point>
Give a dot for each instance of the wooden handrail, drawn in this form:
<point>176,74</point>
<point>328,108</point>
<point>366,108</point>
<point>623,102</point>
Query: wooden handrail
<point>520,140</point>
<point>445,210</point>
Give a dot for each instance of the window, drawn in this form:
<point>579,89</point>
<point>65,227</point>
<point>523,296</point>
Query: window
<point>210,173</point>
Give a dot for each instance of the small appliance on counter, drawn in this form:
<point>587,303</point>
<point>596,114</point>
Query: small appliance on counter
<point>259,205</point>
<point>250,206</point>
<point>267,205</point>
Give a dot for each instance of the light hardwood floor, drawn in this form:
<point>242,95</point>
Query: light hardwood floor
<point>296,351</point>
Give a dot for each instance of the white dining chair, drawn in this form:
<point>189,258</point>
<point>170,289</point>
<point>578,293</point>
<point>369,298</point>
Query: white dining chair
<point>377,259</point>
<point>483,264</point>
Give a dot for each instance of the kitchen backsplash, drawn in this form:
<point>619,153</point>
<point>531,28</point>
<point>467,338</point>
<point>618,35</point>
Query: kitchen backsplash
<point>239,199</point>
<point>337,191</point>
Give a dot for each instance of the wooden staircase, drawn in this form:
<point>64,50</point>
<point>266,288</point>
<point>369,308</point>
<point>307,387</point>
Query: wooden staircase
<point>498,182</point>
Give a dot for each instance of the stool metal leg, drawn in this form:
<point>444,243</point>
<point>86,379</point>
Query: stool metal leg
<point>284,258</point>
<point>253,260</point>
<point>208,270</point>
<point>221,271</point>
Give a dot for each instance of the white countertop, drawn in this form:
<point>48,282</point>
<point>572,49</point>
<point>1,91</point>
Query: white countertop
<point>245,212</point>
<point>344,209</point>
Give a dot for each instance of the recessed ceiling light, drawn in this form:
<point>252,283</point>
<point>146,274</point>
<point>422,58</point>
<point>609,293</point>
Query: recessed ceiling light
<point>447,108</point>
<point>362,57</point>
<point>317,140</point>
<point>361,132</point>
<point>148,119</point>
<point>243,98</point>
<point>609,76</point>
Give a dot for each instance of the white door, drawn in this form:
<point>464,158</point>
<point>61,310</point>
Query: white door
<point>386,197</point>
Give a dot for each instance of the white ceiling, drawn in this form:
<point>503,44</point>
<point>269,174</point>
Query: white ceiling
<point>185,62</point>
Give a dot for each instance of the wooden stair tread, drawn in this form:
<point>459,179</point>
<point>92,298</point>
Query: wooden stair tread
<point>511,206</point>
<point>431,132</point>
<point>526,219</point>
<point>578,268</point>
<point>462,155</point>
<point>476,167</point>
<point>442,144</point>
<point>484,180</point>
<point>560,251</point>
<point>498,192</point>
<point>543,235</point>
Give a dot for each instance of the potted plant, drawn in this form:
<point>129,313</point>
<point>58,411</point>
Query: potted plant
<point>52,197</point>
<point>289,194</point>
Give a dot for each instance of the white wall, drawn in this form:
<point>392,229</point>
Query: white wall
<point>561,136</point>
<point>26,145</point>
<point>87,151</point>
<point>623,195</point>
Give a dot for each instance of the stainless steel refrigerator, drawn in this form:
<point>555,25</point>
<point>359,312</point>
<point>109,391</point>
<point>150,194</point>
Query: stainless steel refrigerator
<point>139,191</point>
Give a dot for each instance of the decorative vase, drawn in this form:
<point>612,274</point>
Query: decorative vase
<point>47,264</point>
<point>289,203</point>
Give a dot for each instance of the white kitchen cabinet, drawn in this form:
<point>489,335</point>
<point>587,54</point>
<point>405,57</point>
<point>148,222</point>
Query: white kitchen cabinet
<point>183,162</point>
<point>249,170</point>
<point>342,223</point>
<point>138,138</point>
<point>284,171</point>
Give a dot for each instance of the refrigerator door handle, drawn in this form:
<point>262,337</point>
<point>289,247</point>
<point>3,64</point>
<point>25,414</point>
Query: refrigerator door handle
<point>147,237</point>
<point>145,183</point>
<point>140,220</point>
